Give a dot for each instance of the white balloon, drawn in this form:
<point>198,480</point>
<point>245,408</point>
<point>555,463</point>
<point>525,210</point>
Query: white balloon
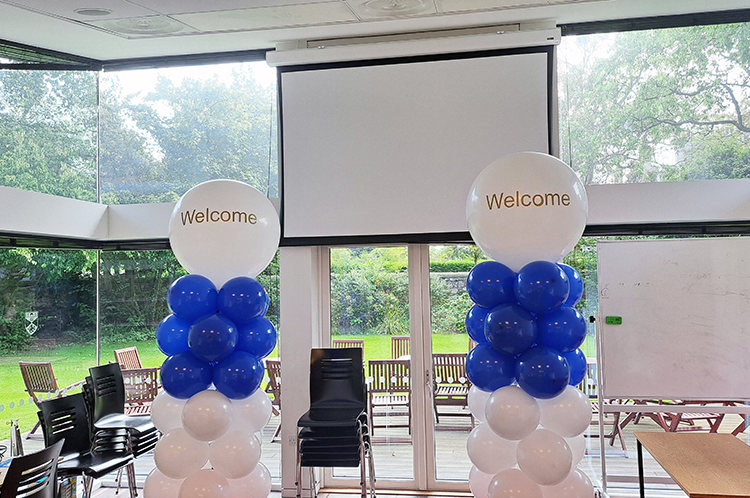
<point>576,485</point>
<point>526,207</point>
<point>544,457</point>
<point>223,229</point>
<point>177,454</point>
<point>568,414</point>
<point>512,483</point>
<point>257,484</point>
<point>207,415</point>
<point>477,401</point>
<point>166,412</point>
<point>479,482</point>
<point>205,484</point>
<point>235,454</point>
<point>158,485</point>
<point>489,452</point>
<point>252,413</point>
<point>512,413</point>
<point>577,447</point>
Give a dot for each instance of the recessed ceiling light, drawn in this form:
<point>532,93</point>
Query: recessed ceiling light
<point>93,12</point>
<point>396,7</point>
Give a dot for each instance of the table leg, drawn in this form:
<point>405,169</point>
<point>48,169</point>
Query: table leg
<point>640,469</point>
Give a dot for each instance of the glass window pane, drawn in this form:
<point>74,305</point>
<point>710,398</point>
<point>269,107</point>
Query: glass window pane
<point>167,130</point>
<point>657,105</point>
<point>449,266</point>
<point>370,308</point>
<point>47,315</point>
<point>48,132</point>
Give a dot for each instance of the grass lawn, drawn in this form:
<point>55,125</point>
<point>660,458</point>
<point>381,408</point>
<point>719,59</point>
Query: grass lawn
<point>71,363</point>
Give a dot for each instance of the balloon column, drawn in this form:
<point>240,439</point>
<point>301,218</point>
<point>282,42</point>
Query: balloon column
<point>209,412</point>
<point>526,211</point>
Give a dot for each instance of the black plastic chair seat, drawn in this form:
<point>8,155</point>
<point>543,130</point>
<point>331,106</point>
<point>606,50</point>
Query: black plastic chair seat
<point>348,417</point>
<point>309,446</point>
<point>314,462</point>
<point>139,423</point>
<point>92,465</point>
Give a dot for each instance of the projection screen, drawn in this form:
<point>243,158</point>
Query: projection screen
<point>386,150</point>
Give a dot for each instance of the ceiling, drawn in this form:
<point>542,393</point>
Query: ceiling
<point>108,30</point>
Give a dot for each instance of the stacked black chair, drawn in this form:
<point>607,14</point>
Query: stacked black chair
<point>34,475</point>
<point>335,431</point>
<point>82,455</point>
<point>104,390</point>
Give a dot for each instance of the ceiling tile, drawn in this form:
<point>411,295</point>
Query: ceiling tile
<point>169,7</point>
<point>391,9</point>
<point>67,8</point>
<point>139,27</point>
<point>469,5</point>
<point>269,17</point>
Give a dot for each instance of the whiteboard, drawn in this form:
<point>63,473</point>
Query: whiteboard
<point>685,308</point>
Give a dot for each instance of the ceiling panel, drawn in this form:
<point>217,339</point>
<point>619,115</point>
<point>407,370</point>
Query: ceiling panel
<point>194,6</point>
<point>269,17</point>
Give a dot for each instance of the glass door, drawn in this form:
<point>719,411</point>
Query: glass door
<point>386,300</point>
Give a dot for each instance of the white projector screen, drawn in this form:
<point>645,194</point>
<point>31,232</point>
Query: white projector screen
<point>386,150</point>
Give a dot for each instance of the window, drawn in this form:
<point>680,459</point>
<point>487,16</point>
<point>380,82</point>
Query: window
<point>656,105</point>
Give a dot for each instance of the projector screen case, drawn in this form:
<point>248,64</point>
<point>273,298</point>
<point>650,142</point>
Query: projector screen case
<point>386,150</point>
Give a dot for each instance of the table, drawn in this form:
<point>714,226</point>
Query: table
<point>704,465</point>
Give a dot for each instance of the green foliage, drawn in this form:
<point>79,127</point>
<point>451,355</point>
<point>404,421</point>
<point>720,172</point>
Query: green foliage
<point>451,266</point>
<point>661,105</point>
<point>449,308</point>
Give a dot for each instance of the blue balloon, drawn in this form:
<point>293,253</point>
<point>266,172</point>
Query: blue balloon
<point>576,284</point>
<point>542,372</point>
<point>183,375</point>
<point>578,366</point>
<point>564,329</point>
<point>242,299</point>
<point>542,287</point>
<point>475,323</point>
<point>192,296</point>
<point>257,337</point>
<point>212,338</point>
<point>490,284</point>
<point>489,369</point>
<point>172,335</point>
<point>239,375</point>
<point>510,328</point>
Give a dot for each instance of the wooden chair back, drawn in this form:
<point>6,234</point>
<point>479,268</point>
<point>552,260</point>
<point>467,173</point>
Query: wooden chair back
<point>389,376</point>
<point>141,388</point>
<point>273,367</point>
<point>449,369</point>
<point>400,346</point>
<point>348,343</point>
<point>128,358</point>
<point>38,378</point>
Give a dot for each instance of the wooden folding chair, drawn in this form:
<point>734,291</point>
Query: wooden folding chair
<point>273,367</point>
<point>450,386</point>
<point>39,378</point>
<point>128,358</point>
<point>400,347</point>
<point>389,394</point>
<point>348,343</point>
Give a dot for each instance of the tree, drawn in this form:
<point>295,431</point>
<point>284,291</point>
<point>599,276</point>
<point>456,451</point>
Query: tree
<point>207,129</point>
<point>656,105</point>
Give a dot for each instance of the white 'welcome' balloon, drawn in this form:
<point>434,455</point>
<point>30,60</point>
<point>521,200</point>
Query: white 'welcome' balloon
<point>222,229</point>
<point>526,207</point>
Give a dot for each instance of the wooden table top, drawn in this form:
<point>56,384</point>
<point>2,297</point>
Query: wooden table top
<point>704,465</point>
